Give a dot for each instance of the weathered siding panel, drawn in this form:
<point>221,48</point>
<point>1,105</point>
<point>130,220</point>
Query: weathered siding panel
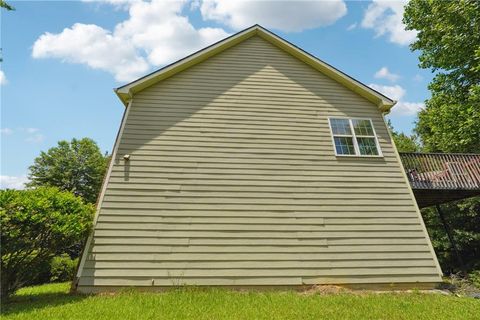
<point>232,180</point>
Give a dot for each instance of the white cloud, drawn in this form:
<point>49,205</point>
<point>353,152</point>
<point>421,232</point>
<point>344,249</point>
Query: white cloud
<point>94,46</point>
<point>159,29</point>
<point>408,108</point>
<point>31,130</point>
<point>3,78</point>
<point>32,135</point>
<point>119,4</point>
<point>6,131</point>
<point>418,78</point>
<point>384,73</point>
<point>195,4</point>
<point>281,15</point>
<point>35,138</point>
<point>12,182</point>
<point>396,92</point>
<point>352,27</point>
<point>385,18</point>
<point>114,2</point>
<point>155,33</point>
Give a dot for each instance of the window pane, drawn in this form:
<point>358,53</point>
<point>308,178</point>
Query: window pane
<point>362,127</point>
<point>340,126</point>
<point>367,146</point>
<point>344,145</point>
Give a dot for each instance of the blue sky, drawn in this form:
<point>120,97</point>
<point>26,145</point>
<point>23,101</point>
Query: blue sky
<point>63,58</point>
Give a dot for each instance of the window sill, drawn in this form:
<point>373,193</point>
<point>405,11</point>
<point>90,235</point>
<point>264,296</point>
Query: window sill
<point>356,156</point>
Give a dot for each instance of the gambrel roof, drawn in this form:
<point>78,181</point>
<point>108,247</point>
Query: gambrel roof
<point>127,91</point>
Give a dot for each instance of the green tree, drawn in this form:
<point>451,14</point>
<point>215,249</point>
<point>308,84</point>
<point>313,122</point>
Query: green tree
<point>5,5</point>
<point>449,44</point>
<point>77,166</point>
<point>38,224</point>
<point>447,125</point>
<point>8,7</point>
<point>403,142</point>
<point>463,219</point>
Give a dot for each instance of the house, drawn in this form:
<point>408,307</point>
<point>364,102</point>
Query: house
<point>253,163</point>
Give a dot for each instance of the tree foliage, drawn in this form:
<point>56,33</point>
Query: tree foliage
<point>77,166</point>
<point>38,224</point>
<point>449,44</point>
<point>5,5</point>
<point>62,268</point>
<point>403,142</point>
<point>447,125</point>
<point>463,218</point>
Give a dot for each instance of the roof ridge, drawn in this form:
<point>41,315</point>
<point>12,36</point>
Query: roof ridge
<point>126,91</point>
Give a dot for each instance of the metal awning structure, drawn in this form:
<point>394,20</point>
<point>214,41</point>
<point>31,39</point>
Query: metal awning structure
<point>437,178</point>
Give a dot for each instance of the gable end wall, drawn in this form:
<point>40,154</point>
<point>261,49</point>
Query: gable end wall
<point>232,181</point>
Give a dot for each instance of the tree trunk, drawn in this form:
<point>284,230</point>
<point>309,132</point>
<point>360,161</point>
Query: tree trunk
<point>5,290</point>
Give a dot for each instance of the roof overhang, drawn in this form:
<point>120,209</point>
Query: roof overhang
<point>126,92</point>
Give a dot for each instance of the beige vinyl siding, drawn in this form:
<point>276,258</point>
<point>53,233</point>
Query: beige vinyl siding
<point>233,180</point>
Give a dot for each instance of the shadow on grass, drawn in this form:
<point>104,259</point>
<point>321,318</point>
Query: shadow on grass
<point>28,303</point>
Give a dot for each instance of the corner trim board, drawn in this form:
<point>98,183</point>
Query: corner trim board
<point>104,188</point>
<point>417,209</point>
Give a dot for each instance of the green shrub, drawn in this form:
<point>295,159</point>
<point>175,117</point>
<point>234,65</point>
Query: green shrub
<point>62,268</point>
<point>38,224</point>
<point>475,278</point>
<point>40,275</point>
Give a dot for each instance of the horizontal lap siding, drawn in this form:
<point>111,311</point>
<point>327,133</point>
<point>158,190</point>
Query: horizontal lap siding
<point>232,180</point>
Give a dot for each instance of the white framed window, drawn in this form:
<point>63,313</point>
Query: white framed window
<point>354,137</point>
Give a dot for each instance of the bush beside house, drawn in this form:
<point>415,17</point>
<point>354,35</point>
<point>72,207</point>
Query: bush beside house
<point>37,225</point>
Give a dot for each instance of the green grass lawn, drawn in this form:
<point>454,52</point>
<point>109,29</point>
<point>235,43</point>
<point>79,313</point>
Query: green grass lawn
<point>53,301</point>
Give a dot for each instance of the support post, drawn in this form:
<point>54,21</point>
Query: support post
<point>450,238</point>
